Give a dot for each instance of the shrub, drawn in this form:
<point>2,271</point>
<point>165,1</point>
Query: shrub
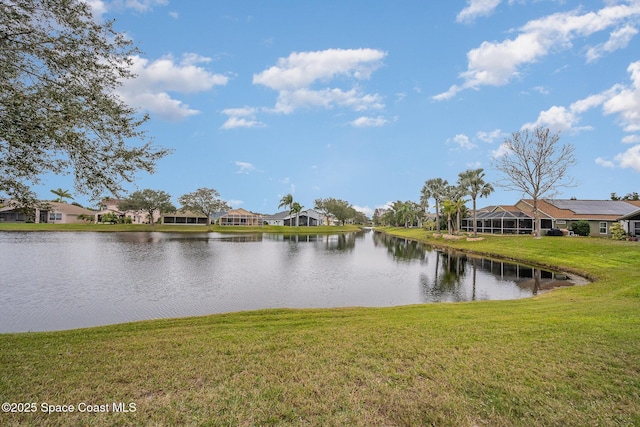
<point>581,228</point>
<point>617,232</point>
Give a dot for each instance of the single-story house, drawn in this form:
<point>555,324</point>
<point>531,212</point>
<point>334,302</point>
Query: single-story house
<point>111,206</point>
<point>241,217</point>
<point>555,213</point>
<point>53,213</point>
<point>275,219</point>
<point>182,217</point>
<point>307,218</point>
<point>631,223</point>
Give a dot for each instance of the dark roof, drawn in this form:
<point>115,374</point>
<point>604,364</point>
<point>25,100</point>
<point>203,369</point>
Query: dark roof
<point>594,207</point>
<point>279,215</point>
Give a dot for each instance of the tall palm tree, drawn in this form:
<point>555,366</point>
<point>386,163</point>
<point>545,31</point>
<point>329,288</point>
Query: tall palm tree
<point>296,208</point>
<point>435,189</point>
<point>473,182</point>
<point>287,201</point>
<point>62,194</point>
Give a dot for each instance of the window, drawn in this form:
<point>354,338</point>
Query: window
<point>55,216</point>
<point>603,227</point>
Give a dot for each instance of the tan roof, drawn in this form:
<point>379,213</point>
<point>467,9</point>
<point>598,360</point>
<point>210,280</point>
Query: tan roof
<point>69,209</point>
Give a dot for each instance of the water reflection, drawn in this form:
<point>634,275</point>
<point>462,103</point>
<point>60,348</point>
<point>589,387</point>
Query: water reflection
<point>55,281</point>
<point>456,276</point>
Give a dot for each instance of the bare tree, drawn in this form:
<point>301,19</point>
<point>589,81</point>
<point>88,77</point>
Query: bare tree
<point>536,165</point>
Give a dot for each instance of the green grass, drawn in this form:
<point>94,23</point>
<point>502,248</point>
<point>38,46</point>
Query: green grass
<point>175,228</point>
<point>570,357</point>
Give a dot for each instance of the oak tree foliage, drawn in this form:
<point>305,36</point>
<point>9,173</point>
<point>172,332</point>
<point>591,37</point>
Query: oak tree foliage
<point>204,201</point>
<point>59,112</point>
<point>149,201</point>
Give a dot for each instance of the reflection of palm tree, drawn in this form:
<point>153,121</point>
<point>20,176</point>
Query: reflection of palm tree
<point>62,194</point>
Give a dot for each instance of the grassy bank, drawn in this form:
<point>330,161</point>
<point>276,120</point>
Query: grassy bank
<point>176,228</point>
<point>567,358</point>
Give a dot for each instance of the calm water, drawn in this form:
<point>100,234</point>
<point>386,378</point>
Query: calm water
<point>51,281</point>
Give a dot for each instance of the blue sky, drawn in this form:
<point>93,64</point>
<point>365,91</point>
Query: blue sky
<point>365,100</point>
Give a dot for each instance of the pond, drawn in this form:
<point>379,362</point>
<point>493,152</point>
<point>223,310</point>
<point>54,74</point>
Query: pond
<point>52,281</point>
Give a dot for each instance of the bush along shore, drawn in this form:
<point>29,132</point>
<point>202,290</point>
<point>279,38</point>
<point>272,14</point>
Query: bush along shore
<point>570,357</point>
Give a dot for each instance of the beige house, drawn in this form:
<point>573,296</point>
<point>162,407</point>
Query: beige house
<point>557,214</point>
<point>110,206</point>
<point>241,217</point>
<point>54,213</point>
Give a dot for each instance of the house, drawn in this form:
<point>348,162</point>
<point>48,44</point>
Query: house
<point>111,206</point>
<point>631,221</point>
<point>556,213</point>
<point>185,218</point>
<point>276,219</point>
<point>241,217</point>
<point>500,220</point>
<point>306,218</point>
<point>53,213</point>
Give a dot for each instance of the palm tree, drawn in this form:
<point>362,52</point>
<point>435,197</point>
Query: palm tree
<point>296,208</point>
<point>449,208</point>
<point>62,194</point>
<point>473,182</point>
<point>287,201</point>
<point>435,189</point>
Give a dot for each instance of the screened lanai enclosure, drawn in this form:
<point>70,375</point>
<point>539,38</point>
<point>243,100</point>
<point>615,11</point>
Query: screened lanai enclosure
<point>500,222</point>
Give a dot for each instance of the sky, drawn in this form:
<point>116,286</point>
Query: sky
<point>365,100</point>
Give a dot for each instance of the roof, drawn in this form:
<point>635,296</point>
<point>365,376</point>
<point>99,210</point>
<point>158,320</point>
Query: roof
<point>594,207</point>
<point>571,209</point>
<point>279,215</point>
<point>635,215</point>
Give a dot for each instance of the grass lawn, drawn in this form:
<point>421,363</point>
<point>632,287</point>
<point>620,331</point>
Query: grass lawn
<point>570,357</point>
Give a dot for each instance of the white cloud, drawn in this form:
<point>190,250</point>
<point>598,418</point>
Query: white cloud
<point>503,150</point>
<point>244,167</point>
<point>557,119</point>
<point>630,158</point>
<point>620,99</point>
<point>296,77</point>
<point>605,163</point>
<point>462,141</point>
<point>100,7</point>
<point>154,79</point>
<point>490,136</point>
<point>301,69</point>
<point>477,8</point>
<point>241,118</point>
<point>626,103</point>
<point>369,122</point>
<point>631,139</point>
<point>364,209</point>
<point>142,5</point>
<point>497,63</point>
<point>618,39</point>
<point>234,203</point>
